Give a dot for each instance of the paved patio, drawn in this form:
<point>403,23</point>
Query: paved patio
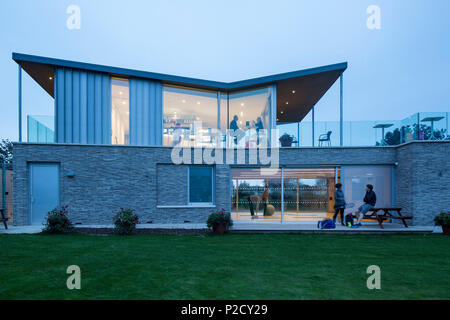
<point>242,227</point>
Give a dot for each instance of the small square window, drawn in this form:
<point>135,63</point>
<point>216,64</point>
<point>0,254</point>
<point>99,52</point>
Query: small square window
<point>201,184</point>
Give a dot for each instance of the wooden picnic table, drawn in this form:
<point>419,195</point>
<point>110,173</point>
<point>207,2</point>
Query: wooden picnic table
<point>3,218</point>
<point>386,215</point>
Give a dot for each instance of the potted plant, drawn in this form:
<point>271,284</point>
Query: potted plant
<point>286,140</point>
<point>219,221</point>
<point>443,220</point>
<point>125,221</point>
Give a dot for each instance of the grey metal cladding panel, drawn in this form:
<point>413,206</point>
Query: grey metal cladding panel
<point>82,106</point>
<point>145,112</point>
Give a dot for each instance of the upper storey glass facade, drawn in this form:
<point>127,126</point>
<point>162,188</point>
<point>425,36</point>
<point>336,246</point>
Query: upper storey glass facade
<point>203,118</point>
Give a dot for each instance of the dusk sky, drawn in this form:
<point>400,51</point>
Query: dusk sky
<point>395,71</point>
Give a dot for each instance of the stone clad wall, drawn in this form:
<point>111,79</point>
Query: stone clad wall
<point>108,177</point>
<point>423,180</point>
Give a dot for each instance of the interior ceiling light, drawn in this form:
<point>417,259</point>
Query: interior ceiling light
<point>281,111</point>
<point>293,91</point>
<point>287,102</point>
<point>51,78</point>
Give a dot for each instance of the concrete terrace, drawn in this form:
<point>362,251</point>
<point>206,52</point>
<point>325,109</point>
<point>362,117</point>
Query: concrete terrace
<point>263,227</point>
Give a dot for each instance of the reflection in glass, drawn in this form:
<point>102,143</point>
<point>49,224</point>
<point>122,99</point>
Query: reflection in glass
<point>356,178</point>
<point>120,111</point>
<point>255,195</point>
<point>200,184</point>
<point>184,109</point>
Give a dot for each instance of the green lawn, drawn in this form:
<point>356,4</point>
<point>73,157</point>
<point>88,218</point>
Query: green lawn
<point>239,266</point>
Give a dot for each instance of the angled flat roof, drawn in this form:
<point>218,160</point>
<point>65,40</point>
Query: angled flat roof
<point>309,85</point>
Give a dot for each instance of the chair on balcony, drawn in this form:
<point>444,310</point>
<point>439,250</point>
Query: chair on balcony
<point>325,138</point>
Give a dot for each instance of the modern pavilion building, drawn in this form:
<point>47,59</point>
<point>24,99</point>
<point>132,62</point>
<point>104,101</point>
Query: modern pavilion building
<point>113,133</point>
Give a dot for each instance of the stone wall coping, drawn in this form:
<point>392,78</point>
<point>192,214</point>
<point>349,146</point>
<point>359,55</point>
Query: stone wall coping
<point>240,148</point>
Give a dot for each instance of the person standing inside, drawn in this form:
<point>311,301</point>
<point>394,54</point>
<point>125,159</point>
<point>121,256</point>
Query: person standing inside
<point>339,203</point>
<point>234,124</point>
<point>236,132</point>
<point>369,203</point>
<point>259,127</point>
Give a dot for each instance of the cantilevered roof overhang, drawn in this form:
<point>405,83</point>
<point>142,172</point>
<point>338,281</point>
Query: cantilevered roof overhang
<point>297,91</point>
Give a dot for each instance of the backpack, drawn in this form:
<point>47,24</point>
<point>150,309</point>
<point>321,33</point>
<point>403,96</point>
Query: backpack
<point>326,224</point>
<point>348,220</point>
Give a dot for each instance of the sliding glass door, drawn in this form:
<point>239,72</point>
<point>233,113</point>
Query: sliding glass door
<point>308,193</point>
<point>304,194</point>
<point>288,195</point>
<point>256,195</point>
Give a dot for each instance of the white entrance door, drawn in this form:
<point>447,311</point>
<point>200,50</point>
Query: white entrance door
<point>44,190</point>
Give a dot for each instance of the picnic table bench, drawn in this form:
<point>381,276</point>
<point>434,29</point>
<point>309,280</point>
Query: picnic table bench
<point>3,218</point>
<point>386,214</point>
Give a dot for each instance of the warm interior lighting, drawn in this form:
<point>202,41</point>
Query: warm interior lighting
<point>287,102</point>
<point>293,91</point>
<point>120,112</point>
<point>51,78</point>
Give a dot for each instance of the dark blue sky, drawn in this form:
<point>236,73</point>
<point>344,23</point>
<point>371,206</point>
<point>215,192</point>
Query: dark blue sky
<point>393,72</point>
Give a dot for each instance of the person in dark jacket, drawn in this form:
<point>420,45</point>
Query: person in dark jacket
<point>235,131</point>
<point>369,203</point>
<point>339,203</point>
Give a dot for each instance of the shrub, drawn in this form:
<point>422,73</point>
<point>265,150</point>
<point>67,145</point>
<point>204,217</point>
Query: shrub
<point>125,221</point>
<point>57,221</point>
<point>443,219</point>
<point>218,217</point>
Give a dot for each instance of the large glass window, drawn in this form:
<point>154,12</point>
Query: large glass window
<point>201,184</point>
<point>249,111</point>
<point>357,177</point>
<point>308,193</point>
<point>120,111</point>
<point>256,195</point>
<point>190,117</point>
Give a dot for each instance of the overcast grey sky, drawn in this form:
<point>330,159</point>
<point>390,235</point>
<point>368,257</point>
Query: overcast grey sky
<point>393,72</point>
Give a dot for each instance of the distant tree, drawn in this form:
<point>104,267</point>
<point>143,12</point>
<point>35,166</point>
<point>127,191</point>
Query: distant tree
<point>5,151</point>
<point>393,138</point>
